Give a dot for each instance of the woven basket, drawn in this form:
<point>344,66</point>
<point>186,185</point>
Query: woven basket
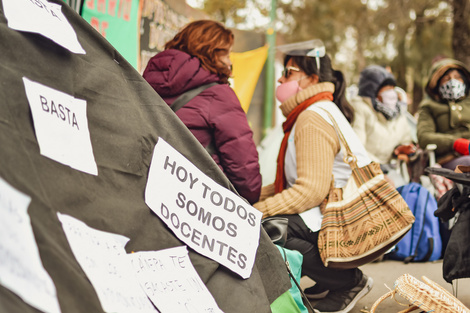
<point>423,295</point>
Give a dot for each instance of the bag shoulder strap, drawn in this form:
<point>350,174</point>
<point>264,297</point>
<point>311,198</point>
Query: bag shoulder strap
<point>349,157</point>
<point>421,233</point>
<point>188,95</point>
<point>185,98</point>
<point>289,270</point>
<point>419,209</point>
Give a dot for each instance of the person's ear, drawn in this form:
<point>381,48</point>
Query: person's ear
<point>313,79</point>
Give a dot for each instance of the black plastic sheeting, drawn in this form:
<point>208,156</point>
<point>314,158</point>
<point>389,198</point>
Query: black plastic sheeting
<point>125,119</point>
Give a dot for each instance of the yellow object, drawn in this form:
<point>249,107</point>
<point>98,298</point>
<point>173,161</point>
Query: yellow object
<point>247,67</point>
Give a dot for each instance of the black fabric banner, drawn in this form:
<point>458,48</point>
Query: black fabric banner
<point>125,118</point>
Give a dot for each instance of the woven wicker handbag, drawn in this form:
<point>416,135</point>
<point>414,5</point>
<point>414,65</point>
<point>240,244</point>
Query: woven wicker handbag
<point>425,295</point>
<point>362,220</point>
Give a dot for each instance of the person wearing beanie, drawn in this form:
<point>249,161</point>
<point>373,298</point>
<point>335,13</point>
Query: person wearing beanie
<point>444,114</point>
<point>380,121</point>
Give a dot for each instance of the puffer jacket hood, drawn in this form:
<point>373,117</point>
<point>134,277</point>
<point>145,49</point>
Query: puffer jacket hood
<point>438,70</point>
<point>371,79</point>
<point>172,72</point>
<point>214,116</point>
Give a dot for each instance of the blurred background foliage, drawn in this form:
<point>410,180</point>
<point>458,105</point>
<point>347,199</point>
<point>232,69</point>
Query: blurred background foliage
<point>407,35</point>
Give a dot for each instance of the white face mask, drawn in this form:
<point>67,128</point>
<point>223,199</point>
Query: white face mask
<point>453,89</point>
<point>389,98</point>
<point>389,106</point>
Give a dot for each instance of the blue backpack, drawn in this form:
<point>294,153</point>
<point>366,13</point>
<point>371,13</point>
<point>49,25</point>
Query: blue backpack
<point>423,242</point>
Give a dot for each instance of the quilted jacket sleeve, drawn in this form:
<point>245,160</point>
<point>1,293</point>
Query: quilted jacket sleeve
<point>363,124</point>
<point>233,140</point>
<point>428,134</point>
<point>360,119</point>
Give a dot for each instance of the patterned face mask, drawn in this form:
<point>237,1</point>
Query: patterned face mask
<point>452,90</point>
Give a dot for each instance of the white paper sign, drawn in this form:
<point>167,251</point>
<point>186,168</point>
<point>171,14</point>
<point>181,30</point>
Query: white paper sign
<point>21,269</point>
<point>104,260</point>
<point>42,17</point>
<point>206,216</point>
<point>61,126</point>
<point>171,282</point>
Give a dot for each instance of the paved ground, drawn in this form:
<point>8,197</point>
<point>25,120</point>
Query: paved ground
<point>387,272</point>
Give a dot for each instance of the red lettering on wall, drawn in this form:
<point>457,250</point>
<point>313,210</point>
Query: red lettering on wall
<point>125,8</point>
<point>102,6</point>
<point>104,27</point>
<point>120,9</point>
<point>95,23</point>
<point>90,4</point>
<point>112,7</point>
<point>100,27</point>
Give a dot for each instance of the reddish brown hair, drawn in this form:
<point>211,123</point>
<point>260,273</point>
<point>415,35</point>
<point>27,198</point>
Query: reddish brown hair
<point>206,40</point>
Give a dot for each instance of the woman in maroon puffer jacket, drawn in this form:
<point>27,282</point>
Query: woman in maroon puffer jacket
<point>199,55</point>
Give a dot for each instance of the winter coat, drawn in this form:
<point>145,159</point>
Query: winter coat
<point>215,115</point>
<point>440,121</point>
<point>378,135</point>
<point>371,80</point>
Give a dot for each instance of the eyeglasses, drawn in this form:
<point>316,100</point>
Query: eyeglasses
<point>286,72</point>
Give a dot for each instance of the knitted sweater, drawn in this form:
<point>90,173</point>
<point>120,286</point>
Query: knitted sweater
<point>316,145</point>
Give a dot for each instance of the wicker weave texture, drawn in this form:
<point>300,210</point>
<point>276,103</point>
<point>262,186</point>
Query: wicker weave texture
<point>425,295</point>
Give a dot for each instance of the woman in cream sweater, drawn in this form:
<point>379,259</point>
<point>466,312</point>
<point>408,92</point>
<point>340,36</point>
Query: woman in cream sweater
<point>309,156</point>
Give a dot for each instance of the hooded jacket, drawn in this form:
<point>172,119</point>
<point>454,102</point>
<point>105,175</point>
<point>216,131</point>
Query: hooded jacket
<point>215,115</point>
<point>440,121</point>
<point>378,135</point>
<point>370,81</point>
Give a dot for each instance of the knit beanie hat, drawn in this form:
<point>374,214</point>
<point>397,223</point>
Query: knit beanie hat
<point>372,78</point>
<point>387,82</point>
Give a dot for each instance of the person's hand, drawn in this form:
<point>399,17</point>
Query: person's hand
<point>461,146</point>
<point>405,149</point>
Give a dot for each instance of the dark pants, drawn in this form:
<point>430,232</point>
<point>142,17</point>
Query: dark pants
<point>463,160</point>
<point>302,239</point>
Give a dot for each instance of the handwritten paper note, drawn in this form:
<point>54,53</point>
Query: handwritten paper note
<point>206,216</point>
<point>42,17</point>
<point>21,269</point>
<point>103,258</point>
<point>61,126</point>
<point>171,282</point>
